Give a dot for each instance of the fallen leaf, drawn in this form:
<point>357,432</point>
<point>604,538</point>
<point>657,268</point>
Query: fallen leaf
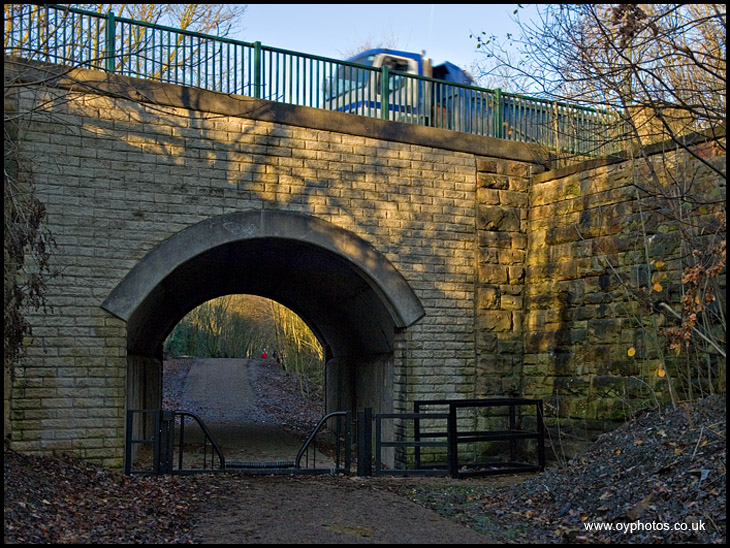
<point>636,511</point>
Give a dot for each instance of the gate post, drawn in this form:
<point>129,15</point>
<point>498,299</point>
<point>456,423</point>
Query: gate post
<point>452,440</point>
<point>365,442</point>
<point>166,442</point>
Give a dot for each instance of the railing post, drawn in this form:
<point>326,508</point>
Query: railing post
<point>557,128</point>
<point>110,39</point>
<point>498,113</point>
<point>348,442</point>
<point>257,70</point>
<point>541,436</point>
<point>417,433</point>
<point>512,428</point>
<point>128,443</point>
<point>384,103</point>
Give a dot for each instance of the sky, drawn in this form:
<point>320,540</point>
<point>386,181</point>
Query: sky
<point>332,30</point>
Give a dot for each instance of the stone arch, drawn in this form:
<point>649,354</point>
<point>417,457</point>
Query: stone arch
<point>350,294</point>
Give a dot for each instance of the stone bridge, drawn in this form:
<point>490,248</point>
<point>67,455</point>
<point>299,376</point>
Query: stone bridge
<point>430,263</point>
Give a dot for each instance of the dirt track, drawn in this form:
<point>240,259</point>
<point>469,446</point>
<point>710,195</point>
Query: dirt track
<point>228,395</point>
<point>219,390</point>
<point>323,509</point>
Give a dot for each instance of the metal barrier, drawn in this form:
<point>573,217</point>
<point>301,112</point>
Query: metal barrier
<point>145,432</point>
<point>342,434</point>
<point>157,429</point>
<point>63,35</point>
<point>337,445</point>
<point>451,435</point>
<point>418,443</point>
<point>208,439</point>
<point>164,433</point>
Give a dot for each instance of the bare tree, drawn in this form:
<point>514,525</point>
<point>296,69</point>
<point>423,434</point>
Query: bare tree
<point>389,41</point>
<point>662,69</point>
<point>216,19</point>
<point>27,244</point>
<point>34,36</point>
<point>661,66</point>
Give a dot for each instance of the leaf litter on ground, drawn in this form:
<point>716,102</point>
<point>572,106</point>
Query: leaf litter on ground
<point>658,478</point>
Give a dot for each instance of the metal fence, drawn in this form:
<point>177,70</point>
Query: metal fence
<point>461,438</point>
<point>62,35</point>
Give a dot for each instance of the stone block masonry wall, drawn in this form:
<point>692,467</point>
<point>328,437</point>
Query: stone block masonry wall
<point>119,176</point>
<point>601,246</point>
<point>502,214</point>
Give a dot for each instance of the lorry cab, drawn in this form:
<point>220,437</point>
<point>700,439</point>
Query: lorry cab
<point>412,63</point>
<point>400,61</point>
<point>356,86</point>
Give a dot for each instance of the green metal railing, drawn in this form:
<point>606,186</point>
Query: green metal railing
<point>63,35</point>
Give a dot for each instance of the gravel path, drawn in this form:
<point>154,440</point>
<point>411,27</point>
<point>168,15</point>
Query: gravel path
<point>219,391</point>
<point>252,408</point>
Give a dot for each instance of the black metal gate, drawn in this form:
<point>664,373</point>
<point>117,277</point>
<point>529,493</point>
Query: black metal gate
<point>152,431</point>
<point>155,443</point>
<point>335,437</point>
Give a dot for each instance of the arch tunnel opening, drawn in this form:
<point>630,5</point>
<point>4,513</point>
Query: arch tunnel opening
<point>349,294</point>
<point>250,327</point>
<point>252,370</point>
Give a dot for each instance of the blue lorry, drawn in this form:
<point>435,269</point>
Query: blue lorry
<point>404,86</point>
